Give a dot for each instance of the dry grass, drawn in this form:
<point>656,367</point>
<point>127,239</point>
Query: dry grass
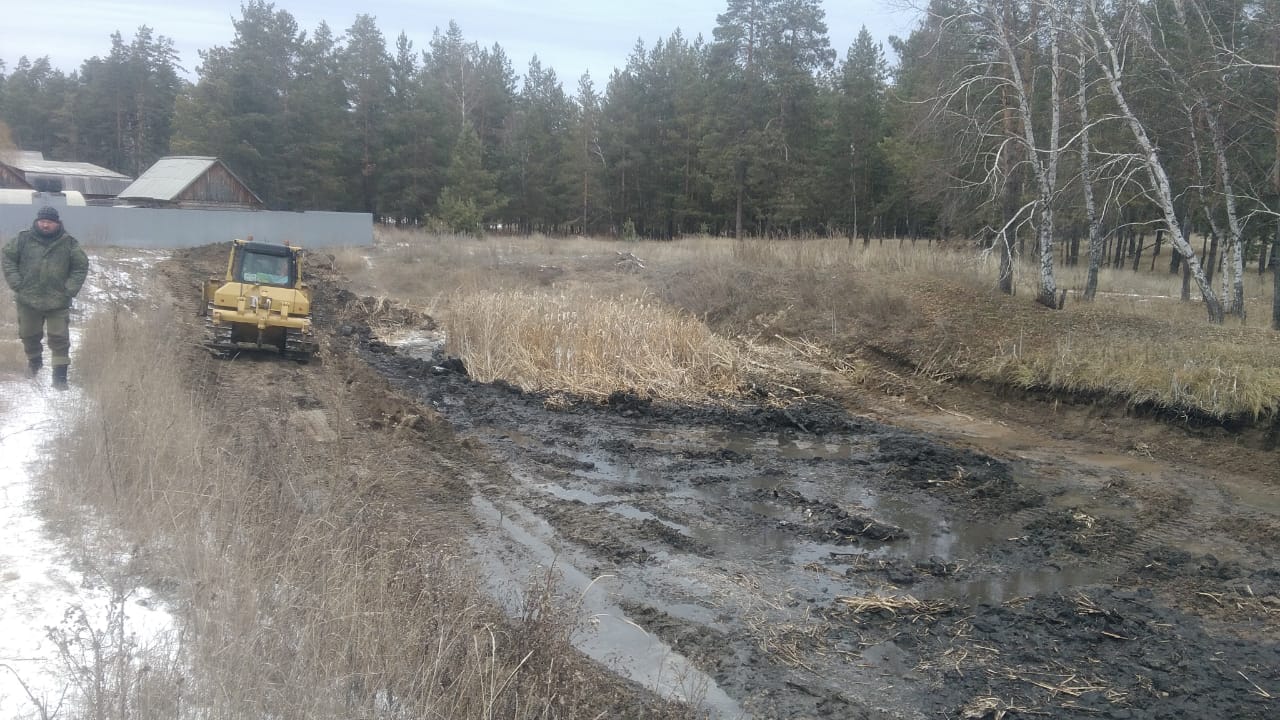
<point>12,357</point>
<point>936,310</point>
<point>586,345</point>
<point>931,307</point>
<point>425,268</point>
<point>304,585</point>
<point>898,605</point>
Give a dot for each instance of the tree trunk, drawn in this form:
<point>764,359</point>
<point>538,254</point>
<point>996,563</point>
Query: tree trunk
<point>1006,263</point>
<point>1048,295</point>
<point>1211,261</point>
<point>737,215</point>
<point>1160,187</point>
<point>1009,206</point>
<point>1137,251</point>
<point>1275,244</point>
<point>1275,279</point>
<point>1234,272</point>
<point>1049,172</point>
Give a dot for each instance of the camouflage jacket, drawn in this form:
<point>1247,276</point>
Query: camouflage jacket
<point>44,272</point>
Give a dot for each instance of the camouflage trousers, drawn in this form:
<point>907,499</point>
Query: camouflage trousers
<point>32,324</point>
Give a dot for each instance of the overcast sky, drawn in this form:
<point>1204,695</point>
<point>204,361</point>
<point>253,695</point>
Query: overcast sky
<point>571,36</point>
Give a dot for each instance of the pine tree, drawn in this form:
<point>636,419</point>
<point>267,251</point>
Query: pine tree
<point>470,196</point>
<point>367,70</point>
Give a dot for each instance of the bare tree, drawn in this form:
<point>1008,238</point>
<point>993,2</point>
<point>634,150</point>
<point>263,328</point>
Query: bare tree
<point>1007,134</point>
<point>1086,183</point>
<point>1233,273</point>
<point>1094,27</point>
<point>1275,178</point>
<point>1202,185</point>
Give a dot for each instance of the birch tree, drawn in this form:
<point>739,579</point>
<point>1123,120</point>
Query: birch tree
<point>1186,50</point>
<point>1008,73</point>
<point>1094,27</point>
<point>1086,182</point>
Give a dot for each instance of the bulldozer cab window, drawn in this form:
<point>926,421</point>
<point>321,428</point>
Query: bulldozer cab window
<point>265,269</point>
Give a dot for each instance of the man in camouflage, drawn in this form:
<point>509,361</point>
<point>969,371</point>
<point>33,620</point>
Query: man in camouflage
<point>45,268</point>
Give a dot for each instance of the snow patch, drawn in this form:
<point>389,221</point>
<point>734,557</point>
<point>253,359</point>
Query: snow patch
<point>47,605</point>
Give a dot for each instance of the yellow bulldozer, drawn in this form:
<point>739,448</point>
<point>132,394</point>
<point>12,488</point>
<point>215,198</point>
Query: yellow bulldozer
<point>261,303</point>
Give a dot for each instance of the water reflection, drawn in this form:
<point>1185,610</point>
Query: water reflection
<point>830,472</point>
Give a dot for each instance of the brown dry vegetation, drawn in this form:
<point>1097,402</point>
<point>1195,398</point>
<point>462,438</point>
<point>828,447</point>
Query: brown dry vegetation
<point>587,345</point>
<point>931,310</point>
<point>318,576</point>
<point>305,539</point>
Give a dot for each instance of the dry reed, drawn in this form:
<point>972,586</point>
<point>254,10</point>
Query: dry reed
<point>586,345</point>
<point>931,306</point>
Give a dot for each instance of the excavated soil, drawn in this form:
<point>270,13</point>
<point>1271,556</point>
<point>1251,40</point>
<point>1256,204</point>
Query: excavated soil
<point>844,556</point>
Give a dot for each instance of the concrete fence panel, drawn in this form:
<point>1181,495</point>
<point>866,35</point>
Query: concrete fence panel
<point>168,228</point>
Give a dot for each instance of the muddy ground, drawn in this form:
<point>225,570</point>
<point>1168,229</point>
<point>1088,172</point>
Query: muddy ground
<point>845,553</point>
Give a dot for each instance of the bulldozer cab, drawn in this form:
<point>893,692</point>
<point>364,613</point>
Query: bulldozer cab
<point>264,264</point>
<point>260,303</point>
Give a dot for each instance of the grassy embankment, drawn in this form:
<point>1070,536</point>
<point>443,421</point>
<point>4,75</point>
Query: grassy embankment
<point>308,580</point>
<point>515,308</point>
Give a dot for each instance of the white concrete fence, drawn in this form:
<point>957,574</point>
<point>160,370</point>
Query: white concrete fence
<point>167,229</point>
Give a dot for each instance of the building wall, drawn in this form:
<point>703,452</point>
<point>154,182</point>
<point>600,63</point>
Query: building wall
<point>216,186</point>
<point>179,228</point>
<point>11,178</point>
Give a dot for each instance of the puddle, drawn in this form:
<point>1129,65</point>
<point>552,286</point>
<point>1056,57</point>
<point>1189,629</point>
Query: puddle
<point>610,503</point>
<point>604,467</point>
<point>932,534</point>
<point>634,513</point>
<point>786,447</point>
<point>1023,583</point>
<point>1265,499</point>
<point>582,496</point>
<point>607,470</point>
<point>419,344</point>
<point>612,638</point>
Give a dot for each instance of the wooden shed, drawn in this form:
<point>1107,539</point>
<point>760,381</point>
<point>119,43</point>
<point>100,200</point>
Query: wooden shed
<point>190,182</point>
<point>28,170</point>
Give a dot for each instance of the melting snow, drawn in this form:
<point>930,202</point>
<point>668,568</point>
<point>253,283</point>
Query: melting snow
<point>42,594</point>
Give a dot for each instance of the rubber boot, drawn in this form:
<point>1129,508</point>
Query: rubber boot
<point>60,377</point>
<point>33,366</point>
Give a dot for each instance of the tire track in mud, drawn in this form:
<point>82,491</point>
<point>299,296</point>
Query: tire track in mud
<point>732,535</point>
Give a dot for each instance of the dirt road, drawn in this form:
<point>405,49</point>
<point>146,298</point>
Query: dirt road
<point>809,561</point>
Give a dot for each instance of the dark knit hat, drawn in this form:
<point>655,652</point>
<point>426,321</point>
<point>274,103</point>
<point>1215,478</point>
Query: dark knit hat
<point>48,213</point>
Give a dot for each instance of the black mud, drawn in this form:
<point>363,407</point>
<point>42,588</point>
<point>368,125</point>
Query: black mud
<point>815,564</point>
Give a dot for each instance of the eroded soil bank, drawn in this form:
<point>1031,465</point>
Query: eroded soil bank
<point>809,561</point>
<point>818,564</point>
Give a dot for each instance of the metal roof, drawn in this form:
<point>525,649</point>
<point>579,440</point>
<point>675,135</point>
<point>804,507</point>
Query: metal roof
<point>81,177</point>
<point>15,156</point>
<point>54,167</point>
<point>86,184</point>
<point>168,177</point>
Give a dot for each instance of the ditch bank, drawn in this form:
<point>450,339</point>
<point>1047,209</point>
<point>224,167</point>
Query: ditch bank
<point>797,560</point>
<point>812,563</point>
